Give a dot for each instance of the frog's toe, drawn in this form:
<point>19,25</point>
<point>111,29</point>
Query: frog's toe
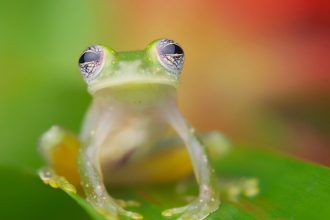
<point>48,176</point>
<point>107,214</point>
<point>111,209</point>
<point>112,213</point>
<point>197,210</point>
<point>127,203</point>
<point>132,215</point>
<point>236,188</point>
<point>174,211</point>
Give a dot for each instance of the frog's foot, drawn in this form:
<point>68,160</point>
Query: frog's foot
<point>127,203</point>
<point>49,177</point>
<point>197,210</point>
<point>235,189</point>
<point>107,207</point>
<point>217,144</point>
<point>110,209</point>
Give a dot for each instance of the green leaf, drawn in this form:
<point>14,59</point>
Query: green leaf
<point>289,189</point>
<point>24,196</point>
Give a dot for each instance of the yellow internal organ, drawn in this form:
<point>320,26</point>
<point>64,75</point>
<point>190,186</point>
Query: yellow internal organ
<point>167,165</point>
<point>164,166</point>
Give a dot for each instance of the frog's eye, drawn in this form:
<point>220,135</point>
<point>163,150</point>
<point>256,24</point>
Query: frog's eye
<point>91,62</point>
<point>170,55</point>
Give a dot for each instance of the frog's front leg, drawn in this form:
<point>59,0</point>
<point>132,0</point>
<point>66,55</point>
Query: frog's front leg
<point>208,199</point>
<point>91,175</point>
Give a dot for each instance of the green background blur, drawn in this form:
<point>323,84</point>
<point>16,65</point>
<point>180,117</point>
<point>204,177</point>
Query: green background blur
<point>259,72</point>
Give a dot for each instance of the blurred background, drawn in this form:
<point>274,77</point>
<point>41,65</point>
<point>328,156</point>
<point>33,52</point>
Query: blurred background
<point>259,71</point>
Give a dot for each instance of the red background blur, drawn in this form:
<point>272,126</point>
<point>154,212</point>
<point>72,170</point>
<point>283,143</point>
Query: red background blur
<point>257,70</point>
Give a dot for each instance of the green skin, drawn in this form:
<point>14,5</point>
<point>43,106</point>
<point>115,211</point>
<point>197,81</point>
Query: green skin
<point>135,86</point>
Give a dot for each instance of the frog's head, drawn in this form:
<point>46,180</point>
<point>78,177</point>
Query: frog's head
<point>159,64</point>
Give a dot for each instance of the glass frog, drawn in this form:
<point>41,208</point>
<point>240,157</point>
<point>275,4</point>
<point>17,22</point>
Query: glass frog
<point>132,133</point>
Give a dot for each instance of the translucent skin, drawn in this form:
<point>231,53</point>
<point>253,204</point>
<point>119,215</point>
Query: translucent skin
<point>132,114</point>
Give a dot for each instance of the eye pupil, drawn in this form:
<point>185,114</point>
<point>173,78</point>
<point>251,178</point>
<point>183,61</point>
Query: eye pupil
<point>89,57</point>
<point>171,49</point>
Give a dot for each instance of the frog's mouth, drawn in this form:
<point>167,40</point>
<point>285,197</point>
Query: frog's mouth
<point>132,82</point>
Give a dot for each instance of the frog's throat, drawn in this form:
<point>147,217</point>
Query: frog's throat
<point>136,95</point>
<point>93,88</point>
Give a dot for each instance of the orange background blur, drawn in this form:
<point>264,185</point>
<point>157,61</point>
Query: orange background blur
<point>259,71</point>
